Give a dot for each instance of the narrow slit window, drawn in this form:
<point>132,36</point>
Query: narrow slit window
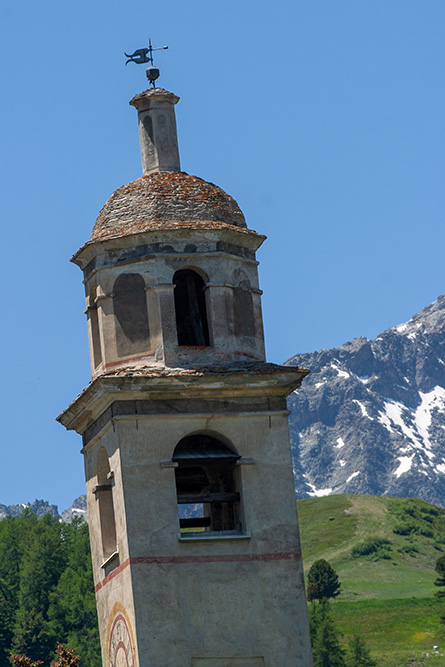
<point>208,500</point>
<point>104,496</point>
<point>191,309</point>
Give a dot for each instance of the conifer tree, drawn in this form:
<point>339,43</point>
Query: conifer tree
<point>41,565</point>
<point>358,654</point>
<point>326,649</point>
<point>72,610</point>
<point>323,581</point>
<point>46,591</point>
<point>11,541</point>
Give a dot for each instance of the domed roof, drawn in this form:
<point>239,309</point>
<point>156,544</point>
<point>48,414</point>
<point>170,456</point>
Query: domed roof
<point>164,200</point>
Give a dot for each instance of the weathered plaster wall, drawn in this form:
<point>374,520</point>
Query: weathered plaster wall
<point>249,588</point>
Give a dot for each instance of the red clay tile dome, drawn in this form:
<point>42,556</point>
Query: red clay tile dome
<point>165,200</point>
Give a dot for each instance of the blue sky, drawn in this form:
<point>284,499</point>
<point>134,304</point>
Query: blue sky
<point>323,118</point>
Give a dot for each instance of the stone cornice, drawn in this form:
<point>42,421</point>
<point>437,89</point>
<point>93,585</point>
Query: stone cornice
<point>260,379</point>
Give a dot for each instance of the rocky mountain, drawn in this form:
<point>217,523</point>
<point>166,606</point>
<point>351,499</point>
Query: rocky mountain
<point>370,417</point>
<point>42,507</point>
<point>39,507</point>
<point>78,508</point>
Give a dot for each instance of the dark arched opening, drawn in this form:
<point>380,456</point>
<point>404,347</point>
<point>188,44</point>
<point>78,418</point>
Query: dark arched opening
<point>205,481</point>
<point>190,308</point>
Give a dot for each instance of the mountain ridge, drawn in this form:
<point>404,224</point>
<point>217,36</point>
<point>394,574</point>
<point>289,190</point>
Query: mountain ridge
<point>42,507</point>
<point>370,418</point>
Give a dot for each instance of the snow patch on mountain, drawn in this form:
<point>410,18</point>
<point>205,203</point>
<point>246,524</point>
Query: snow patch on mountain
<point>405,464</point>
<point>362,408</point>
<point>341,373</point>
<point>319,492</point>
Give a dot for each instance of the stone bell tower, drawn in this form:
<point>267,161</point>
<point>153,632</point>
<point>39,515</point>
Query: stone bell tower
<point>191,505</point>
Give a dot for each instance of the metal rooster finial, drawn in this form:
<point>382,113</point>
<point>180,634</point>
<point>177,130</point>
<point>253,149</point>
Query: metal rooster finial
<point>146,56</point>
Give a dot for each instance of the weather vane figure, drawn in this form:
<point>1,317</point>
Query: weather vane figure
<point>141,56</point>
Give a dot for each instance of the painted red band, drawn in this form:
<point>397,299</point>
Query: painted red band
<point>177,560</point>
<point>111,576</point>
<point>229,558</point>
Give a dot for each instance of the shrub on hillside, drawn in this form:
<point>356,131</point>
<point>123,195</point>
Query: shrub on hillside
<point>426,532</point>
<point>404,528</point>
<point>375,548</point>
<point>410,549</point>
<point>412,528</point>
<point>430,510</point>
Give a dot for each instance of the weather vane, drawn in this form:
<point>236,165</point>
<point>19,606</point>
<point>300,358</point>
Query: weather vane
<point>141,56</point>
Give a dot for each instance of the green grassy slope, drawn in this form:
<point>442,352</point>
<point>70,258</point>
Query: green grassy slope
<point>387,595</point>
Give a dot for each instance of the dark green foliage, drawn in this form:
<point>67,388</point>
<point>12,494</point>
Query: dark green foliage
<point>374,547</point>
<point>440,581</point>
<point>46,590</point>
<point>322,580</point>
<point>430,510</point>
<point>410,549</point>
<point>415,518</point>
<point>72,611</point>
<point>326,649</point>
<point>358,654</point>
<point>40,568</point>
<point>405,528</point>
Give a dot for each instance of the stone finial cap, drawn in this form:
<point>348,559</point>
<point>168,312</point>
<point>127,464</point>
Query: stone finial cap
<point>157,130</point>
<point>147,97</point>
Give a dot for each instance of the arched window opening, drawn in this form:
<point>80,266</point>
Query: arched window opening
<point>130,311</point>
<point>104,496</point>
<point>95,335</point>
<point>205,485</point>
<point>190,308</point>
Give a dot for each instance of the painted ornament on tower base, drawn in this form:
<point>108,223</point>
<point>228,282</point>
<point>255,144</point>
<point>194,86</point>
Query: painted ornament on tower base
<point>120,645</point>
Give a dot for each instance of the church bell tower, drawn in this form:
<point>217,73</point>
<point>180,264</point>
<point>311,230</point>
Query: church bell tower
<point>191,505</point>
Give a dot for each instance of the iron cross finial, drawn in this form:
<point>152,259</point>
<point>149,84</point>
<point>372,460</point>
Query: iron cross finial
<point>141,56</point>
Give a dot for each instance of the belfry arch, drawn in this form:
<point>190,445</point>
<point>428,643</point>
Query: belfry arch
<point>191,308</point>
<point>205,479</point>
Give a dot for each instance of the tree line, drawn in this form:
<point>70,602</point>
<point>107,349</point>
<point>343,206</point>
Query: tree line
<point>46,590</point>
